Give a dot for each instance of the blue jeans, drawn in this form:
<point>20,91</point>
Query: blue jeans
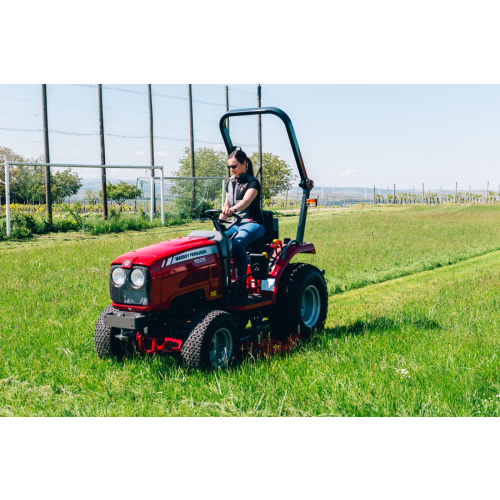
<point>247,234</point>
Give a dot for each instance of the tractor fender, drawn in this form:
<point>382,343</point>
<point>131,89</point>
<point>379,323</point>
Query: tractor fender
<point>281,265</point>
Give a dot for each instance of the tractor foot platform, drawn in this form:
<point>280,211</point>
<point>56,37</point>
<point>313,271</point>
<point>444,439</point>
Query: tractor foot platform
<point>248,302</point>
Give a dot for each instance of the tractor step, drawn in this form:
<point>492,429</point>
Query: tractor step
<point>248,302</point>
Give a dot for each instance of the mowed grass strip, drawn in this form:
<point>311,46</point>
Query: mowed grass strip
<point>422,345</point>
<point>365,246</point>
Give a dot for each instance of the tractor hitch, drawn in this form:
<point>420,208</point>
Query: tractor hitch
<point>153,345</point>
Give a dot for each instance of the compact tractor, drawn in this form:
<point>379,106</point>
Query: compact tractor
<point>178,296</point>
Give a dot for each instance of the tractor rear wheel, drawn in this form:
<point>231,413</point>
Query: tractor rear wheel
<point>302,302</point>
<point>212,340</point>
<point>106,344</point>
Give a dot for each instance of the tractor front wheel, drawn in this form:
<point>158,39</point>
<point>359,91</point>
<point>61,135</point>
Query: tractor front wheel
<point>212,340</point>
<point>106,344</point>
<point>302,302</point>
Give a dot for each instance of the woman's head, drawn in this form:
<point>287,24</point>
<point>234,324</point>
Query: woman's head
<point>239,163</point>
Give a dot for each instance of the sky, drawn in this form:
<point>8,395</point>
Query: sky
<point>349,135</point>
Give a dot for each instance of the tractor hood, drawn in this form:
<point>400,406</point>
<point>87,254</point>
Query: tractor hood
<point>168,253</point>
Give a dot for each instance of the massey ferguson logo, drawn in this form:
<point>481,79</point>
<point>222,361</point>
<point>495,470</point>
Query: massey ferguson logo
<point>197,255</point>
<point>190,255</point>
<point>127,263</point>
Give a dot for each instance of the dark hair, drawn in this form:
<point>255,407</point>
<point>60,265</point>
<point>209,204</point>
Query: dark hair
<point>241,156</point>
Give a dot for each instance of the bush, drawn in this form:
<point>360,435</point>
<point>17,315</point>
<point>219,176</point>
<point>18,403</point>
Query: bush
<point>65,225</point>
<point>25,225</point>
<point>43,225</point>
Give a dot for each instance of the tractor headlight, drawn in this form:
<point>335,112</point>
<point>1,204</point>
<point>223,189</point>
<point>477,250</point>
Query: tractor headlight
<point>137,277</point>
<point>130,286</point>
<point>118,276</point>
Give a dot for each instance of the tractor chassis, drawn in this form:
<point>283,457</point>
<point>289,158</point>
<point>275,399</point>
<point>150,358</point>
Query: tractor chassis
<point>144,330</point>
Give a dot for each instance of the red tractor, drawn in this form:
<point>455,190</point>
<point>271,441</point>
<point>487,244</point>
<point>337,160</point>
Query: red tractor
<point>177,296</point>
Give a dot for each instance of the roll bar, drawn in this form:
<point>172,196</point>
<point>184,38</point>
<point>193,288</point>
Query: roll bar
<point>305,183</point>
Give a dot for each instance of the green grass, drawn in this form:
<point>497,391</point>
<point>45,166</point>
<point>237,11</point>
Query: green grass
<point>363,246</point>
<point>439,325</point>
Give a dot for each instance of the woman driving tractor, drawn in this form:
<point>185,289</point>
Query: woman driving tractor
<point>243,196</point>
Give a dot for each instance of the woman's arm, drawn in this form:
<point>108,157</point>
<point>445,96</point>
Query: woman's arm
<point>250,195</point>
<point>225,210</point>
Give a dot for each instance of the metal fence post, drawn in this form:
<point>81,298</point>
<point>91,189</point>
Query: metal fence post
<point>151,203</point>
<point>151,146</point>
<point>223,193</point>
<point>48,190</point>
<point>191,145</point>
<point>259,128</point>
<point>7,197</point>
<point>162,198</point>
<point>103,157</point>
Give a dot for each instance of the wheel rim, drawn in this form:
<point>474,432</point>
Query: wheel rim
<point>311,306</point>
<point>221,347</point>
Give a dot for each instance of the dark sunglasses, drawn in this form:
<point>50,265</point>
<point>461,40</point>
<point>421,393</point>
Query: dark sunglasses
<point>232,166</point>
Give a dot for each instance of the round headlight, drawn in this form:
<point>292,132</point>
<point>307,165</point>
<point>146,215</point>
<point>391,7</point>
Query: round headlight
<point>137,278</point>
<point>118,276</point>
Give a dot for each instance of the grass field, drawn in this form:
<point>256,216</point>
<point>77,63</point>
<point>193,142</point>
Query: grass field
<point>412,326</point>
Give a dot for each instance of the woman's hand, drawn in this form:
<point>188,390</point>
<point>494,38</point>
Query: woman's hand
<point>228,211</point>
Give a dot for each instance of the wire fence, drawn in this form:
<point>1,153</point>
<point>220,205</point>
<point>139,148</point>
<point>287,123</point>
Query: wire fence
<point>114,125</point>
<point>147,125</point>
<point>73,121</point>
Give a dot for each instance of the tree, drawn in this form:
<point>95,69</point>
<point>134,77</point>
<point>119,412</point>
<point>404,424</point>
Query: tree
<point>120,192</point>
<point>7,154</point>
<point>208,163</point>
<point>64,183</point>
<point>278,176</point>
<point>207,194</point>
<point>92,196</point>
<point>27,183</point>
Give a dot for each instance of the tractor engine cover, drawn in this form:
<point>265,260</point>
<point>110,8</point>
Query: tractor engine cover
<point>182,267</point>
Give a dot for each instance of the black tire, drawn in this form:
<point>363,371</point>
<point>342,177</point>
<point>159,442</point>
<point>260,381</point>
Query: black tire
<point>302,302</point>
<point>198,350</point>
<point>106,344</point>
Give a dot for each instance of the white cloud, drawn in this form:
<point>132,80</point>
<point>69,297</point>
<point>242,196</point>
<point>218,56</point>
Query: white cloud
<point>219,147</point>
<point>349,173</point>
<point>161,153</point>
<point>140,153</point>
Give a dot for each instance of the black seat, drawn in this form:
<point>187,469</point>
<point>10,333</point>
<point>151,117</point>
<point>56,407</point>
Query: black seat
<point>272,232</point>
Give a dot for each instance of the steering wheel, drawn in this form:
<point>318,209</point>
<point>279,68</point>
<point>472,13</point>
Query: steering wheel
<point>211,214</point>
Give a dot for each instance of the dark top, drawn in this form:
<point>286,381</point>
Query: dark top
<point>236,189</point>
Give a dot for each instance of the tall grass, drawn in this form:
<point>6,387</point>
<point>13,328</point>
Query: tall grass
<point>421,345</point>
<point>361,247</point>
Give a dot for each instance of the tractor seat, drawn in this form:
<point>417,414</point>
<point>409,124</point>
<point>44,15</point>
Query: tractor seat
<point>272,232</point>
